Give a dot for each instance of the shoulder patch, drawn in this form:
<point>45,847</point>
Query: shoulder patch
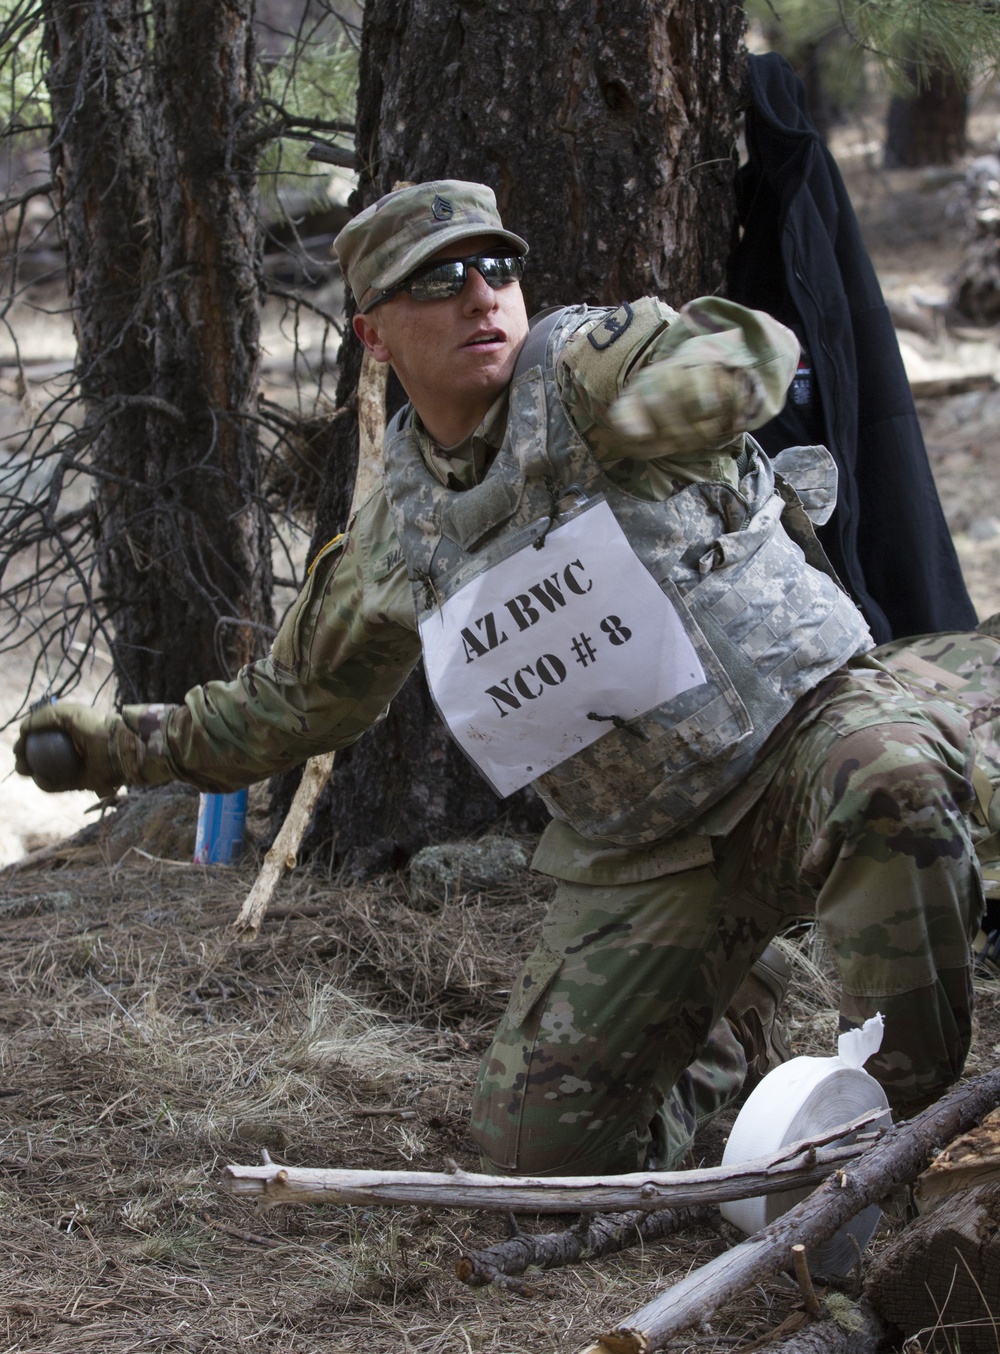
<point>611,327</point>
<point>600,365</point>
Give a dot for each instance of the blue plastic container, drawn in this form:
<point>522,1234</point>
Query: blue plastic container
<point>221,825</point>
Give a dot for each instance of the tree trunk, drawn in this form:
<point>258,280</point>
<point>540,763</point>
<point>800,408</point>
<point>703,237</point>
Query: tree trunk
<point>943,1273</point>
<point>929,126</point>
<point>162,254</point>
<point>618,170</point>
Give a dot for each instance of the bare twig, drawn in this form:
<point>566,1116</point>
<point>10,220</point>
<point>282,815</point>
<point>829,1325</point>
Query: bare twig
<point>799,1164</point>
<point>282,854</point>
<point>333,155</point>
<point>804,1278</point>
<point>604,1234</point>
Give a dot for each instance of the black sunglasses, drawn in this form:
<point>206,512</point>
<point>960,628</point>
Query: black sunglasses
<point>447,277</point>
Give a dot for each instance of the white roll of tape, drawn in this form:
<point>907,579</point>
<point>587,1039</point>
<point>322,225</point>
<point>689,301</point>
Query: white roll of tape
<point>800,1099</point>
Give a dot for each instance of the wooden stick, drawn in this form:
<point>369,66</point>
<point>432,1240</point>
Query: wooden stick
<point>846,1328</point>
<point>282,854</point>
<point>240,1234</point>
<point>798,1164</point>
<point>809,1299</point>
<point>603,1234</point>
<point>284,849</point>
<point>897,1158</point>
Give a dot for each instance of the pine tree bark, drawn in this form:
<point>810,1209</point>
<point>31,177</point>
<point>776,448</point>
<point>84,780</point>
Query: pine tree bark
<point>943,1273</point>
<point>158,200</point>
<point>929,126</point>
<point>607,133</point>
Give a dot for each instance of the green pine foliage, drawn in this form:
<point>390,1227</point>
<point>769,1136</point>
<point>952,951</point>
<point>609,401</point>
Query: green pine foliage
<point>307,93</point>
<point>811,32</point>
<point>909,37</point>
<point>314,86</point>
<point>24,103</point>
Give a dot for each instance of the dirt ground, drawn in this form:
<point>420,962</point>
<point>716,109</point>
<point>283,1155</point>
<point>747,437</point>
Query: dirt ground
<point>142,1047</point>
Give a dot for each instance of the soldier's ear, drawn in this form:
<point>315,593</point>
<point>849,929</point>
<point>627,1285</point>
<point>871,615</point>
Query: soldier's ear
<point>369,332</point>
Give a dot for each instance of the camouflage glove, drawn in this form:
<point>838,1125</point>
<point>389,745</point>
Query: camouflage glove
<point>109,754</point>
<point>727,372</point>
<point>694,407</point>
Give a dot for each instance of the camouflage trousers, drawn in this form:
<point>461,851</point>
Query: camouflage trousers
<point>614,1043</point>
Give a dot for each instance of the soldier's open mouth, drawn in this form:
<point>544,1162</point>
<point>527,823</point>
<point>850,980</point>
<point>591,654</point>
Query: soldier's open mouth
<point>483,340</point>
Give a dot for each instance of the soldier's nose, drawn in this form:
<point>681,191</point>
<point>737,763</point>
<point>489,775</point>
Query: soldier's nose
<point>477,294</point>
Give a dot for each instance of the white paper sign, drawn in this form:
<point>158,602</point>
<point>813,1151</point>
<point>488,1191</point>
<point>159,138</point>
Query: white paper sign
<point>520,658</point>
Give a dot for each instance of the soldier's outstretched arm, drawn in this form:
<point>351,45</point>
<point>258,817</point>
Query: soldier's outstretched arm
<point>341,654</point>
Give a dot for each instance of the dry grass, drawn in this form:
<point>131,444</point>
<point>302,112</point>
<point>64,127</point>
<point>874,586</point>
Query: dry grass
<point>141,1048</point>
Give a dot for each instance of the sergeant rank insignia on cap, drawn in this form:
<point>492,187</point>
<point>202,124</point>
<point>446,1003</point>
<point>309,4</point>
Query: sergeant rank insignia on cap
<point>441,209</point>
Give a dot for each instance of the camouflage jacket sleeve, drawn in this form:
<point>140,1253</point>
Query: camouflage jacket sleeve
<point>675,390</point>
<point>343,650</point>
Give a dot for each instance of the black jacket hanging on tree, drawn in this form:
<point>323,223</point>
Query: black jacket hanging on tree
<point>801,258</point>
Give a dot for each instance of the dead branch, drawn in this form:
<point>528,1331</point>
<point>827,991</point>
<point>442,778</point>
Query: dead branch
<point>798,1164</point>
<point>281,855</point>
<point>937,387</point>
<point>897,1158</point>
<point>604,1234</point>
<point>969,1161</point>
<point>846,1327</point>
<point>333,155</point>
<point>804,1279</point>
<point>284,849</point>
<point>252,1237</point>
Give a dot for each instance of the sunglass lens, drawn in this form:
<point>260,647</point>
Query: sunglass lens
<point>447,279</point>
<point>501,271</point>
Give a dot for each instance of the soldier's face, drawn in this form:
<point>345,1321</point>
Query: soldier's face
<point>453,356</point>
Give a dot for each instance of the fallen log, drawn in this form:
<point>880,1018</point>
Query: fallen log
<point>968,1162</point>
<point>796,1164</point>
<point>844,1327</point>
<point>943,1273</point>
<point>603,1234</point>
<point>897,1158</point>
<point>283,852</point>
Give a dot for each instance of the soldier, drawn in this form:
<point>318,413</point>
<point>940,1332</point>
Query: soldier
<point>619,599</point>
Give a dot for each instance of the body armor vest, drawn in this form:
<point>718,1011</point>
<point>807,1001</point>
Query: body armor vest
<point>766,625</point>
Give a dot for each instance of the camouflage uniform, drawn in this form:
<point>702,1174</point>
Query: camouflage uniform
<point>856,809</point>
<point>863,822</point>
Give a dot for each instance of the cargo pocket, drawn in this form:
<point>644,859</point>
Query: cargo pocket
<point>501,1087</point>
<point>294,638</point>
<point>540,968</point>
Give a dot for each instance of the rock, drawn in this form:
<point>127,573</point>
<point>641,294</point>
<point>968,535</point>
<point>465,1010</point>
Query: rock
<point>34,904</point>
<point>160,820</point>
<point>454,868</point>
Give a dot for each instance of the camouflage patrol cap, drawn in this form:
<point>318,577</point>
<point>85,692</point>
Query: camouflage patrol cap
<point>386,242</point>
